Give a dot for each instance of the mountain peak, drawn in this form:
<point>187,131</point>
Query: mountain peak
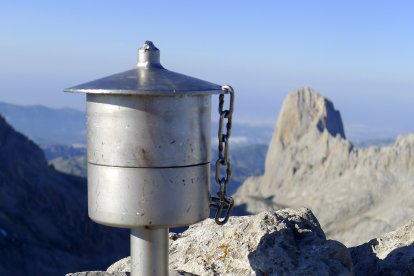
<point>304,111</point>
<point>354,192</point>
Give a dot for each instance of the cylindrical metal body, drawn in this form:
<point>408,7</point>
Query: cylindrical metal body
<point>148,154</point>
<point>148,159</point>
<point>145,131</point>
<point>149,251</point>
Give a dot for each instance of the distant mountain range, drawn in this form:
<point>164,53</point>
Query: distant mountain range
<point>61,134</point>
<point>46,126</point>
<point>246,161</point>
<point>50,126</point>
<point>44,226</point>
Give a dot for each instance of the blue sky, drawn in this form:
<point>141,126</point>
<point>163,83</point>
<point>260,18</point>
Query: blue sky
<point>360,54</point>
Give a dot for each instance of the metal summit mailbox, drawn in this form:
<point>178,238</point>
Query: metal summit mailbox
<point>148,132</point>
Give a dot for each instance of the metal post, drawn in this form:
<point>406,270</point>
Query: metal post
<point>149,251</point>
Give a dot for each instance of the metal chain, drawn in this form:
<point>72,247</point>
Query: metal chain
<point>223,203</point>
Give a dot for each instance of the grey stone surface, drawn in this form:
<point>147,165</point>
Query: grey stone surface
<point>106,273</point>
<point>123,265</point>
<point>76,165</point>
<point>98,273</point>
<point>391,254</point>
<point>285,242</point>
<point>355,193</point>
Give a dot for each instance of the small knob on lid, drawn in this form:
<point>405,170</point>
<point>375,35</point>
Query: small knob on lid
<point>149,55</point>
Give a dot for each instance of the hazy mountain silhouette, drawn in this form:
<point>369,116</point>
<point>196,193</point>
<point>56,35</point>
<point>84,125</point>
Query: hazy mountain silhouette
<point>246,161</point>
<point>47,126</point>
<point>44,227</point>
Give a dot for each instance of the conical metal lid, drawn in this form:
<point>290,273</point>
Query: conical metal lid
<point>149,77</point>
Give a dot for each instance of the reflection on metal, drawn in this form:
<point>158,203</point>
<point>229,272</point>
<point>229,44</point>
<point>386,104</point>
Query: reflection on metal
<point>148,154</point>
<point>146,131</point>
<point>152,197</point>
<point>148,78</point>
<point>149,251</point>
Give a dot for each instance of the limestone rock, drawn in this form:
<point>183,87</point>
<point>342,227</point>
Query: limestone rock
<point>76,165</point>
<point>106,273</point>
<point>271,243</point>
<point>392,254</point>
<point>353,192</point>
<point>98,273</point>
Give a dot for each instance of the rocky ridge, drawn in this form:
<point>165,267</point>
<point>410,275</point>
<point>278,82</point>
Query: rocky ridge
<point>355,193</point>
<point>44,226</point>
<point>271,243</point>
<point>284,242</point>
<point>76,165</point>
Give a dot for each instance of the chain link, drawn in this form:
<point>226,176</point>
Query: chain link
<point>223,203</point>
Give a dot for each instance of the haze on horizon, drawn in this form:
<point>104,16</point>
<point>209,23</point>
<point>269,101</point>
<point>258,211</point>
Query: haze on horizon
<point>358,54</point>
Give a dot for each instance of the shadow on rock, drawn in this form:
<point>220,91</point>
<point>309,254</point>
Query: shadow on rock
<point>299,247</point>
<point>368,261</point>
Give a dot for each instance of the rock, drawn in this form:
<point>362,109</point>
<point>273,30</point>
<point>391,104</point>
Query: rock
<point>303,110</point>
<point>285,242</point>
<point>106,273</point>
<point>76,165</point>
<point>392,254</point>
<point>98,273</point>
<point>353,192</point>
<point>123,265</point>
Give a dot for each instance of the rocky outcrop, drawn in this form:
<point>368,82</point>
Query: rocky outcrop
<point>285,242</point>
<point>44,227</point>
<point>391,254</point>
<point>98,273</point>
<point>106,273</point>
<point>76,165</point>
<point>354,192</point>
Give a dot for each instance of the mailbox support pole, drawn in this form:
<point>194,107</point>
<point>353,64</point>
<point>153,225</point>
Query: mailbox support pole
<point>149,251</point>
